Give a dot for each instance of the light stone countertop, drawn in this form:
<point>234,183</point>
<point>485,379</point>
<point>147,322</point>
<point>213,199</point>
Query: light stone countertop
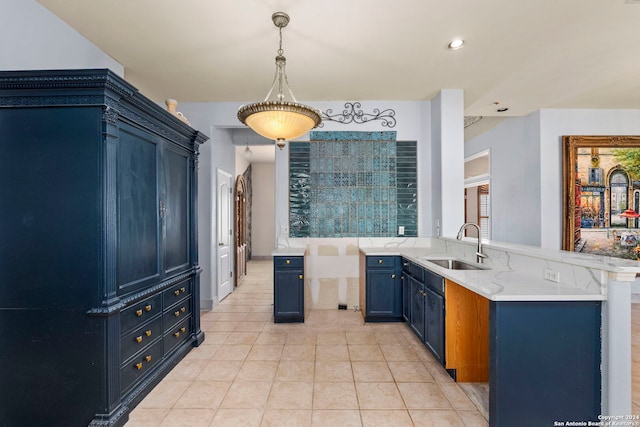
<point>497,283</point>
<point>289,252</point>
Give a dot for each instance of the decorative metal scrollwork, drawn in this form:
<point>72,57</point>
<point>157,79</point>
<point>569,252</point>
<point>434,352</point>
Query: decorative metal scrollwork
<point>354,114</point>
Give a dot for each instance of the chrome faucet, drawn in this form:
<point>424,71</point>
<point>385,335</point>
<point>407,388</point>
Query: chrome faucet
<point>479,255</point>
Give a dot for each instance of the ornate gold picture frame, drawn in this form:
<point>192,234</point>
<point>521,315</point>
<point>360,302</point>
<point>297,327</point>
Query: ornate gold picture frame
<point>589,196</point>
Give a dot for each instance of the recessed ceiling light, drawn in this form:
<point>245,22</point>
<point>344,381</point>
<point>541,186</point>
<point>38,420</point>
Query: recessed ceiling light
<point>455,44</point>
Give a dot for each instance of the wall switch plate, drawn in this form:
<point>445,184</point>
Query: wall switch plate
<point>401,230</point>
<point>552,275</point>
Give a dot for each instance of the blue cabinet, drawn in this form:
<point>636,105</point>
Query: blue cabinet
<point>288,289</point>
<point>434,323</point>
<point>424,306</point>
<point>544,362</point>
<point>100,277</point>
<point>416,310</point>
<point>383,289</point>
<point>406,294</point>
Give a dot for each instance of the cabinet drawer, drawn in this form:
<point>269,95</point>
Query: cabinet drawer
<point>434,282</point>
<point>285,262</point>
<point>413,269</point>
<point>177,292</point>
<point>137,314</point>
<point>176,335</point>
<point>140,365</point>
<point>176,314</point>
<point>381,261</point>
<point>139,338</point>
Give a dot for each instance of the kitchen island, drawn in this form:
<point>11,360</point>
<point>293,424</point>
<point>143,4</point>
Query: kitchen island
<point>545,343</point>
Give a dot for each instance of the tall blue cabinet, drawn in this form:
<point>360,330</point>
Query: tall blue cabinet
<point>99,275</point>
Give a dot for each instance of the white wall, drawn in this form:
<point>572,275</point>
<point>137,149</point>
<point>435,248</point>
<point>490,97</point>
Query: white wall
<point>217,119</point>
<point>553,125</point>
<point>526,168</point>
<point>263,225</point>
<point>218,152</point>
<point>515,178</point>
<point>447,139</point>
<point>34,38</point>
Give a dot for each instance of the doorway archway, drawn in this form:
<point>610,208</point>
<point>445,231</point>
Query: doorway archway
<point>240,241</point>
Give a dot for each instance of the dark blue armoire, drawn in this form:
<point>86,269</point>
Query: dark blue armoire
<point>99,275</point>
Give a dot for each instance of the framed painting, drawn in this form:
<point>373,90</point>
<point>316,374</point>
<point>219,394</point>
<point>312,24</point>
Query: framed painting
<point>601,195</point>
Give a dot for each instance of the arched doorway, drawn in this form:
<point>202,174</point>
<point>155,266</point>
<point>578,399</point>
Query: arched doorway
<point>618,197</point>
<point>241,229</point>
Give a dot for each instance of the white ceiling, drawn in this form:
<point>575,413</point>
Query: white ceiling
<point>526,55</point>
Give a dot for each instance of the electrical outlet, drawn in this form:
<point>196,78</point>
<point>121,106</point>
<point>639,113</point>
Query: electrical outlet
<point>552,275</point>
<point>401,230</point>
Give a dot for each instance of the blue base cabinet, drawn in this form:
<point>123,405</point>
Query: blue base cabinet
<point>383,289</point>
<point>424,306</point>
<point>288,289</point>
<point>544,362</point>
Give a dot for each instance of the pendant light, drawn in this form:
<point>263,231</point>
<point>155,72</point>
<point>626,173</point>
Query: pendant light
<point>278,119</point>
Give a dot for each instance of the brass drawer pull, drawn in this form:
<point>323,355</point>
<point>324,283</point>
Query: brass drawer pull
<point>380,261</point>
<point>148,307</point>
<point>177,334</point>
<point>148,333</point>
<point>288,261</point>
<point>393,276</point>
<point>177,313</point>
<point>300,276</point>
<point>182,289</point>
<point>148,359</point>
<point>138,313</point>
<point>176,292</point>
<point>183,309</point>
<point>139,365</point>
<point>139,339</point>
<point>183,329</point>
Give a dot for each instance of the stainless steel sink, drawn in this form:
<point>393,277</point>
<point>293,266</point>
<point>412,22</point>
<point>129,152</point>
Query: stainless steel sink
<point>455,264</point>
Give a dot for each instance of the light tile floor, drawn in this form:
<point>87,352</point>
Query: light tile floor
<point>332,370</point>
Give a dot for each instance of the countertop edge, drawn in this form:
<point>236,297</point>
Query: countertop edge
<point>475,280</point>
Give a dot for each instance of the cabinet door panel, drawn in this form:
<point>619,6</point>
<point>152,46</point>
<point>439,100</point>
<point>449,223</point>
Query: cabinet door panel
<point>434,319</point>
<point>417,307</point>
<point>288,293</point>
<point>138,240</point>
<point>381,292</point>
<point>175,210</point>
<point>406,296</point>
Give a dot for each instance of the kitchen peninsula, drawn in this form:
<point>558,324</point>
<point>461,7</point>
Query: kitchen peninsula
<point>556,351</point>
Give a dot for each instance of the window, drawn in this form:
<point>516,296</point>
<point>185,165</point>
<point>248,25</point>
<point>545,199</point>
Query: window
<point>483,211</point>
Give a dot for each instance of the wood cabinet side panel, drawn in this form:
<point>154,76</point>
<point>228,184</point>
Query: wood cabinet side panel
<point>467,332</point>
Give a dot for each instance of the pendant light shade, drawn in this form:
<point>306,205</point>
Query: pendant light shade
<point>278,119</point>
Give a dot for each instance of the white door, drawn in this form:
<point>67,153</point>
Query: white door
<point>225,233</point>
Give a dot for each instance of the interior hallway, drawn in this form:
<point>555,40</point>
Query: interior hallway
<point>332,370</point>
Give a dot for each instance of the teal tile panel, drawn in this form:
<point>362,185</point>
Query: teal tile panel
<point>352,184</point>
